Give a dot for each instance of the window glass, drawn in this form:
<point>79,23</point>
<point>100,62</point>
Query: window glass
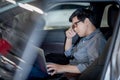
<point>67,6</point>
<point>58,15</point>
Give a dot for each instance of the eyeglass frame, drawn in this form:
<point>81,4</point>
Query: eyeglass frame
<point>75,24</point>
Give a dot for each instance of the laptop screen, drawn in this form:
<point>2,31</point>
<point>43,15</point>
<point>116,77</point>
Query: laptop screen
<point>40,60</point>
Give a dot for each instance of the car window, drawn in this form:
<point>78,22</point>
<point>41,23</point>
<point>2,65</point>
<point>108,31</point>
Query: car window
<point>67,6</point>
<point>57,16</point>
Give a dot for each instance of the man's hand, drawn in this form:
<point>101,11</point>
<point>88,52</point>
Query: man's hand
<point>54,68</point>
<point>70,33</point>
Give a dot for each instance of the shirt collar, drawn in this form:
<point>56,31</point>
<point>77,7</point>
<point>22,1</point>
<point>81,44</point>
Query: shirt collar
<point>91,35</point>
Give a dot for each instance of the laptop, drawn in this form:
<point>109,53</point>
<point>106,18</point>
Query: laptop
<point>41,61</point>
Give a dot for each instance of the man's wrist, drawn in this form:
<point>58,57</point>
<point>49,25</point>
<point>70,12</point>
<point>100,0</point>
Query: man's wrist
<point>69,38</point>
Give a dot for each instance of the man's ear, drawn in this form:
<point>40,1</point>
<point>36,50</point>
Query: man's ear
<point>87,21</point>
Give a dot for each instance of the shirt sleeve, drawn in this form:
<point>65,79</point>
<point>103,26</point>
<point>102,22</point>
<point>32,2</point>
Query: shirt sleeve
<point>82,67</point>
<point>68,52</point>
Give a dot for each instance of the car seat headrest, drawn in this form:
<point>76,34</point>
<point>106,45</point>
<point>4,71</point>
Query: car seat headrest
<point>113,11</point>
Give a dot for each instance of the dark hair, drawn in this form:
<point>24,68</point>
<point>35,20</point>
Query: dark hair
<point>82,14</point>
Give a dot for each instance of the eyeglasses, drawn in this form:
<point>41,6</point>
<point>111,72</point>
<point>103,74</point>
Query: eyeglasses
<point>75,24</point>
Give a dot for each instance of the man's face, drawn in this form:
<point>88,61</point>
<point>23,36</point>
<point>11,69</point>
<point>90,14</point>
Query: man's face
<point>79,27</point>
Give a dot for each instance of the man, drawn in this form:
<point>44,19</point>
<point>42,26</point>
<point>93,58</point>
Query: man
<point>88,48</point>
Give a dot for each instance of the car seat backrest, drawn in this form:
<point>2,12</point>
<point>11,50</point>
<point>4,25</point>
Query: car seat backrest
<point>112,16</point>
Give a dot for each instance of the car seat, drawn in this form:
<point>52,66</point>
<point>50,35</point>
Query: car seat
<point>111,17</point>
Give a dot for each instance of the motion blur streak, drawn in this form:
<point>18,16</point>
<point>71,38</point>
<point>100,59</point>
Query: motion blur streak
<point>27,6</point>
<point>8,7</point>
<point>29,54</point>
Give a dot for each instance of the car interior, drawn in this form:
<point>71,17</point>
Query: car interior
<point>17,26</point>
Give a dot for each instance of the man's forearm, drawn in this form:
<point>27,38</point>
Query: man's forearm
<point>68,44</point>
<point>70,69</point>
